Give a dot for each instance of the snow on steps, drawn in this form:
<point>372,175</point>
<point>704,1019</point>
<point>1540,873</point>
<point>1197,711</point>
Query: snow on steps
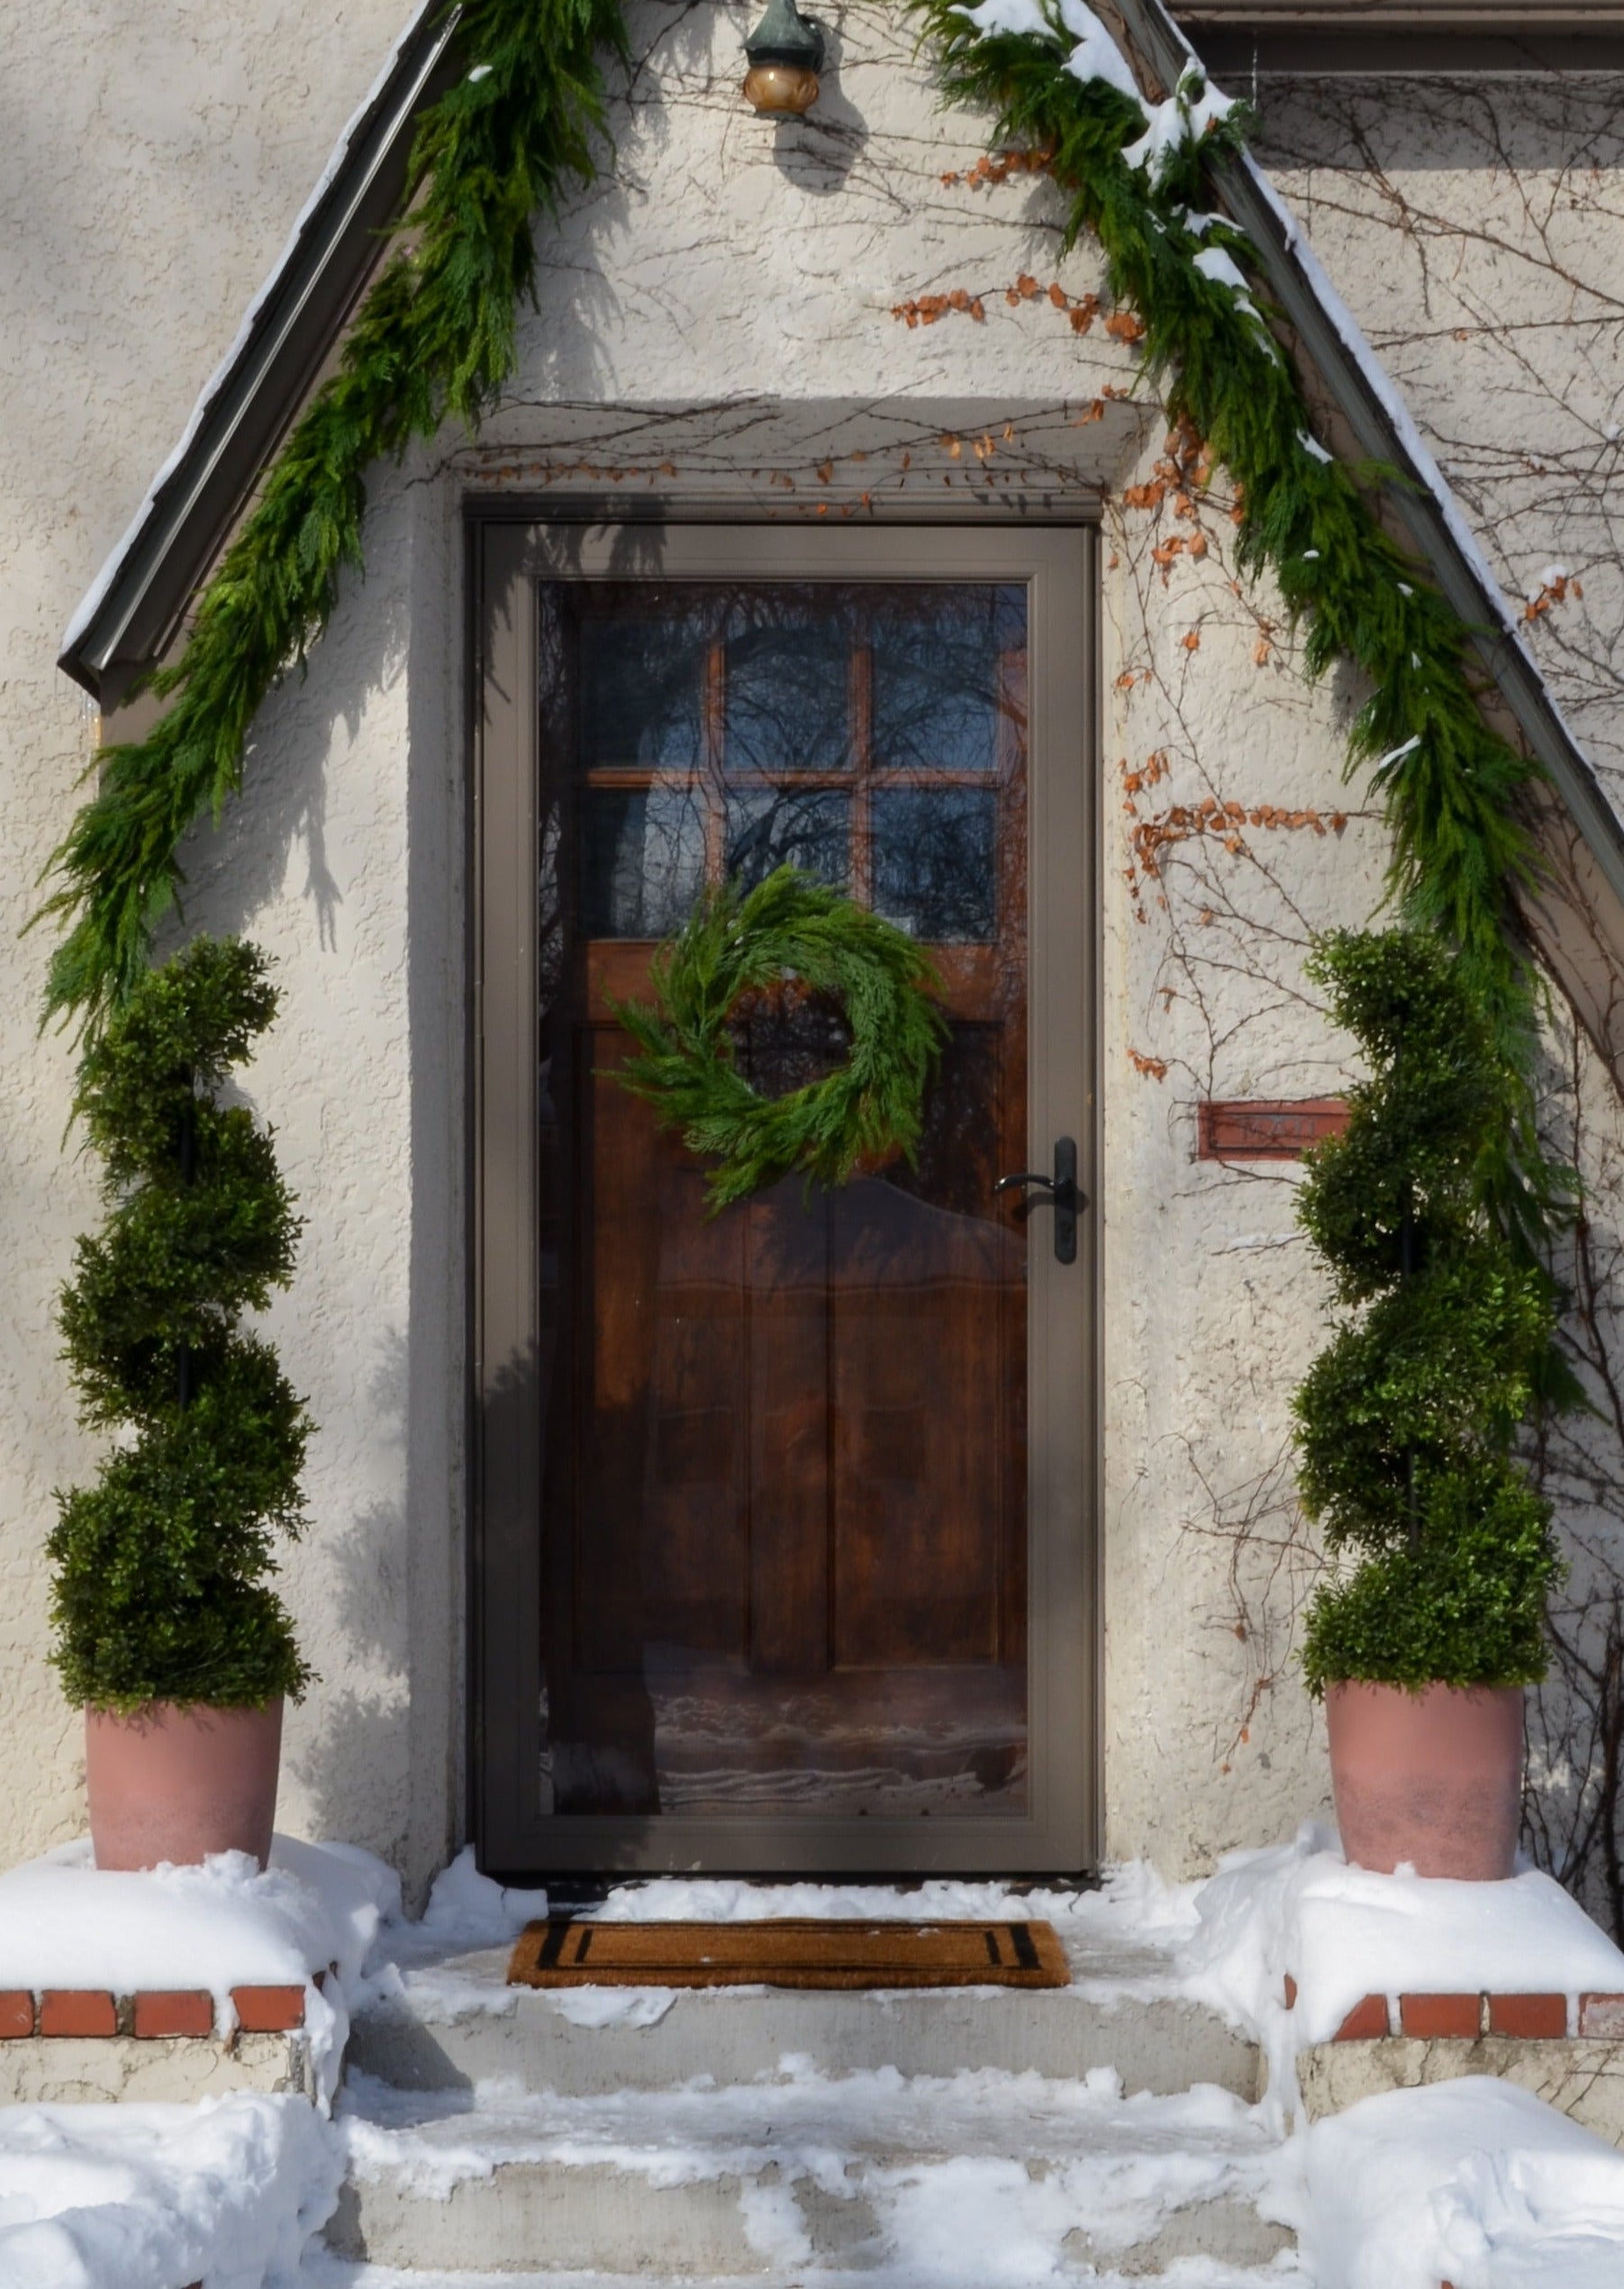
<point>949,2136</point>
<point>456,2023</point>
<point>979,2178</point>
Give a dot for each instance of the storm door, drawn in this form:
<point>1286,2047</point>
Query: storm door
<point>784,1512</point>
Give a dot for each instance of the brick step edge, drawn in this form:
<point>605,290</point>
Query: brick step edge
<point>1463,2018</point>
<point>150,2015</point>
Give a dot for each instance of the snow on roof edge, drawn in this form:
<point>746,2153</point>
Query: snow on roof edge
<point>96,593</point>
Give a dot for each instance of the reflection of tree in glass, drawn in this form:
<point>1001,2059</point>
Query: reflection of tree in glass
<point>934,850</point>
<point>789,680</point>
<point>938,681</point>
<point>642,860</point>
<point>809,830</point>
<point>641,682</point>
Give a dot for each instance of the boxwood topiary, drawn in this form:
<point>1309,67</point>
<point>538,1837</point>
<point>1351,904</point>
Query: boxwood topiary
<point>162,1590</point>
<point>1405,1422</point>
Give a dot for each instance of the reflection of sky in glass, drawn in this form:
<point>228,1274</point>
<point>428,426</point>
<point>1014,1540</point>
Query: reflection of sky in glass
<point>937,699</point>
<point>933,853</point>
<point>642,861</point>
<point>806,829</point>
<point>642,679</point>
<point>789,694</point>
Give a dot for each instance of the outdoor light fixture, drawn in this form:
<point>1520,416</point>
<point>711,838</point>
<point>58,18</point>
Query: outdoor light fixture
<point>786,54</point>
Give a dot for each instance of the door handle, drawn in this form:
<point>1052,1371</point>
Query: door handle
<point>1063,1195</point>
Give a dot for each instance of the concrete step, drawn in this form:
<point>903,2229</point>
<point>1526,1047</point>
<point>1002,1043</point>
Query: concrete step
<point>952,2182</point>
<point>454,2025</point>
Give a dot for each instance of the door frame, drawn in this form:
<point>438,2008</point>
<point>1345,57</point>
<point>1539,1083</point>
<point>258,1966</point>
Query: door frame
<point>511,547</point>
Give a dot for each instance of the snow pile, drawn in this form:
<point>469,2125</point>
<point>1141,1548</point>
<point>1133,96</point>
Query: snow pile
<point>317,1908</point>
<point>1475,2183</point>
<point>148,2197</point>
<point>466,1910</point>
<point>1343,1933</point>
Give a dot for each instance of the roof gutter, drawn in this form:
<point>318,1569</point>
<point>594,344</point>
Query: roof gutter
<point>131,616</point>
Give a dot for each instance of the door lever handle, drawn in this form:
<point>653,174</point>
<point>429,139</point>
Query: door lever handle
<point>1063,1195</point>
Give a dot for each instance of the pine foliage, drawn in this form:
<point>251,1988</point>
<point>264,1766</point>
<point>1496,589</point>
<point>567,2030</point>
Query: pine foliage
<point>1405,1421</point>
<point>434,342</point>
<point>738,943</point>
<point>162,1584</point>
<point>1453,790</point>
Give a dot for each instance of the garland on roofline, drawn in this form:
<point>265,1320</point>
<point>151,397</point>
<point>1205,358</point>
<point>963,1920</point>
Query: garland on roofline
<point>434,341</point>
<point>1452,789</point>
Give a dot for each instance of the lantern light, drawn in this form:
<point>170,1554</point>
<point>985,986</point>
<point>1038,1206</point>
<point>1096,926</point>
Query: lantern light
<point>785,51</point>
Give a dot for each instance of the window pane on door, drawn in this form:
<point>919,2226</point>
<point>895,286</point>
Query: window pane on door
<point>784,1480</point>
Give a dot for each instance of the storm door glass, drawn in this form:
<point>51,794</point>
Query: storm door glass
<point>784,1509</point>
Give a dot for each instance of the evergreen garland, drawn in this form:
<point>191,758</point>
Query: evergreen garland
<point>161,1586</point>
<point>1451,787</point>
<point>1405,1421</point>
<point>737,943</point>
<point>434,342</point>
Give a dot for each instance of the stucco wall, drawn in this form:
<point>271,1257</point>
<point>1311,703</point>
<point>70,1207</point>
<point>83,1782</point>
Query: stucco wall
<point>716,316</point>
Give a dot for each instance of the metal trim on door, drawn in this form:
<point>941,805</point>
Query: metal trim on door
<point>1060,1831</point>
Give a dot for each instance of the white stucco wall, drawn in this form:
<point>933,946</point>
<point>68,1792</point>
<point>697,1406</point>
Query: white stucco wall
<point>716,316</point>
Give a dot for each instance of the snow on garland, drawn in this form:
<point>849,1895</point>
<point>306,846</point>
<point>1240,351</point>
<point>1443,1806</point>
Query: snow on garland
<point>1453,790</point>
<point>790,928</point>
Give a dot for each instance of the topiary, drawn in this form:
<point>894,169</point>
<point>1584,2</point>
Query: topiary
<point>1405,1422</point>
<point>161,1590</point>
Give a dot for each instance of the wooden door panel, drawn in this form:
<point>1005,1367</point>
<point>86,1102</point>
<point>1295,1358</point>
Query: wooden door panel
<point>920,1295</point>
<point>785,1304</point>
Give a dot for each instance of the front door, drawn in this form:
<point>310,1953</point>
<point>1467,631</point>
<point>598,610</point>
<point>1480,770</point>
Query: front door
<point>785,1512</point>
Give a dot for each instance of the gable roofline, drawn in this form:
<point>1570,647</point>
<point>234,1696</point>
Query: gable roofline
<point>132,611</point>
<point>1382,429</point>
<point>135,609</point>
<point>1575,919</point>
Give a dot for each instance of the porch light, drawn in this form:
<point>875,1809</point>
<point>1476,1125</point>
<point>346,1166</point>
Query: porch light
<point>785,53</point>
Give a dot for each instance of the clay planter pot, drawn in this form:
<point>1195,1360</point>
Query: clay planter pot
<point>1433,1777</point>
<point>173,1784</point>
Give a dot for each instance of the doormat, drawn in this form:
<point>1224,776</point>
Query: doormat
<point>791,1952</point>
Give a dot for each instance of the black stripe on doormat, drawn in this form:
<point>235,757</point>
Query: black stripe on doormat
<point>791,1952</point>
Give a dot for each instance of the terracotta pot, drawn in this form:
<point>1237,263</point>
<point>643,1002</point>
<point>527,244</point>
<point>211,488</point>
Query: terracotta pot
<point>173,1784</point>
<point>1433,1777</point>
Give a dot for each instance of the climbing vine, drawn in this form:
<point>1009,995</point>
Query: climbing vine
<point>1136,177</point>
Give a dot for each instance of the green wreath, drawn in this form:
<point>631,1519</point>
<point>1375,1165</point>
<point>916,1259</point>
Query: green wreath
<point>737,942</point>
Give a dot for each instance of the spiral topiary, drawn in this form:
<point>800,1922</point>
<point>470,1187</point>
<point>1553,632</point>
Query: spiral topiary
<point>1405,1422</point>
<point>162,1566</point>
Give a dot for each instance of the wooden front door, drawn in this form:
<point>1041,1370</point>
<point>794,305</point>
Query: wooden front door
<point>782,1559</point>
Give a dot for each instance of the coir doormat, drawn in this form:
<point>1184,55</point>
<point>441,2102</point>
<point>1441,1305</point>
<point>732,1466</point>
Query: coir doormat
<point>790,1952</point>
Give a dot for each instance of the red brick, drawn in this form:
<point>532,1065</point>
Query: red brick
<point>77,2010</point>
<point>16,2014</point>
<point>268,2010</point>
<point>1436,2018</point>
<point>1602,2015</point>
<point>1365,2022</point>
<point>183,2011</point>
<point>1290,1993</point>
<point>1532,2018</point>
